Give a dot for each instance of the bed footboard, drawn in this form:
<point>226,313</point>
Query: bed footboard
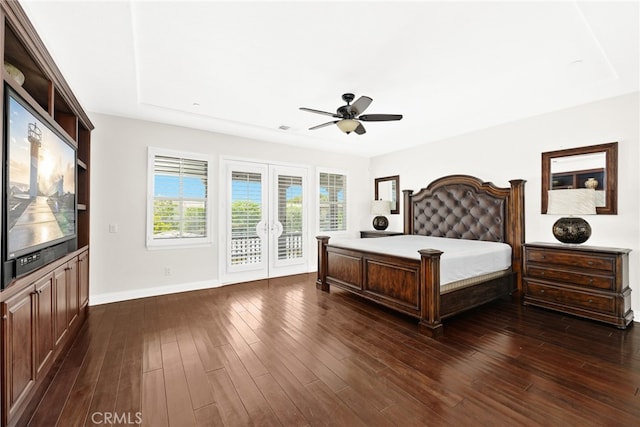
<point>406,285</point>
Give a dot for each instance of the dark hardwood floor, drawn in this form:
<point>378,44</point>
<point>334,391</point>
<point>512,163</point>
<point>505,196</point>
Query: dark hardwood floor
<point>280,352</point>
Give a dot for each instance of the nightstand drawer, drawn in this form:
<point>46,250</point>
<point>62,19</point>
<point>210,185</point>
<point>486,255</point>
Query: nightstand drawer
<point>601,303</point>
<point>571,259</point>
<point>571,277</point>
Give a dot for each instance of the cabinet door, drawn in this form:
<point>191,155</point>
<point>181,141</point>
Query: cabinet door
<point>83,278</point>
<point>60,289</point>
<point>72,291</point>
<point>19,372</point>
<point>44,331</point>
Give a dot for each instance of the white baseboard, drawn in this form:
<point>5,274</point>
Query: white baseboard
<point>109,297</point>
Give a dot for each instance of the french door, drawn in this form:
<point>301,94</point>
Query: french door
<point>265,221</point>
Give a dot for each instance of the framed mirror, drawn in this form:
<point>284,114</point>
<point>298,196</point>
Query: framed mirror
<point>388,188</point>
<point>595,166</point>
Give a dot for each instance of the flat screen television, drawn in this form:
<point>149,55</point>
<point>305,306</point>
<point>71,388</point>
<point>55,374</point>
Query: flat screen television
<point>39,205</point>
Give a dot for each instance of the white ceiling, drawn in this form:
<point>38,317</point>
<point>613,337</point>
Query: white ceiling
<point>243,68</point>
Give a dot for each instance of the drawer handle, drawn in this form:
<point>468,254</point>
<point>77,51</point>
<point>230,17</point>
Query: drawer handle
<point>590,301</point>
<point>542,273</point>
<point>590,263</point>
<point>542,291</point>
<point>591,281</point>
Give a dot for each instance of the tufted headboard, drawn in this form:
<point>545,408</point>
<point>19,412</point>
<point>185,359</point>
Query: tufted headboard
<point>465,207</point>
<point>458,211</point>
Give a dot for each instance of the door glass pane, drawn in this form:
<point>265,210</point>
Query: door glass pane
<point>290,214</point>
<point>246,213</point>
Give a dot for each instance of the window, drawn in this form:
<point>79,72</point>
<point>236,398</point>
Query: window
<point>178,202</point>
<point>332,202</point>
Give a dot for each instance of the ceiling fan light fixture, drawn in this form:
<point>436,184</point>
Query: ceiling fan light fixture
<point>348,125</point>
<point>350,115</point>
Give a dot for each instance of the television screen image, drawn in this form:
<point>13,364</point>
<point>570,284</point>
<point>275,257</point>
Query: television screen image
<point>40,183</point>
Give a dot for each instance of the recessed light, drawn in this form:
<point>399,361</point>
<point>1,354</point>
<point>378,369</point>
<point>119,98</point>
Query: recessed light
<point>196,104</point>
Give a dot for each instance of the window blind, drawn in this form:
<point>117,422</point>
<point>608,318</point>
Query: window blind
<point>333,202</point>
<point>290,215</point>
<point>180,198</point>
<point>246,213</point>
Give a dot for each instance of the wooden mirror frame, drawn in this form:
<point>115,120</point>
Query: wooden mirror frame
<point>611,174</point>
<point>396,180</point>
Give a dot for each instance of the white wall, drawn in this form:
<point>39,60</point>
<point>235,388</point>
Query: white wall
<point>513,150</point>
<point>121,266</point>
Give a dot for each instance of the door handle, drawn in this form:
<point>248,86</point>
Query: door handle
<point>262,228</point>
<point>277,228</point>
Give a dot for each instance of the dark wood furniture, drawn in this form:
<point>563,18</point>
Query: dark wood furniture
<point>586,281</point>
<point>42,312</point>
<point>365,234</point>
<point>456,206</point>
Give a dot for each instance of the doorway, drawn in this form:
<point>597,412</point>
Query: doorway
<point>264,220</point>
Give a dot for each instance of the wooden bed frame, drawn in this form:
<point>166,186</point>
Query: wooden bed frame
<point>455,206</point>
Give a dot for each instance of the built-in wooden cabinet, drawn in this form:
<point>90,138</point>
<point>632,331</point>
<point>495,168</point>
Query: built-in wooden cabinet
<point>39,323</point>
<point>19,372</point>
<point>73,293</point>
<point>83,280</point>
<point>44,329</point>
<point>60,286</point>
<point>43,310</point>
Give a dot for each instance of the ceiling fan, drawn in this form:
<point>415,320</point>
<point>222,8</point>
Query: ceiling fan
<point>350,115</point>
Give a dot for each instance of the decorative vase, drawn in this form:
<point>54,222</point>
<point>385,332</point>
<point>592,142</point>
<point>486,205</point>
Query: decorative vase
<point>591,183</point>
<point>14,72</point>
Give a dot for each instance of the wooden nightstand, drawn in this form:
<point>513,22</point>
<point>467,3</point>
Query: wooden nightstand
<point>379,233</point>
<point>587,281</point>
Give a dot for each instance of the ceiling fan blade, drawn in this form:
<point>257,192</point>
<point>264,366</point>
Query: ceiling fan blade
<point>326,113</point>
<point>360,129</point>
<point>380,117</point>
<point>324,124</point>
<point>360,105</point>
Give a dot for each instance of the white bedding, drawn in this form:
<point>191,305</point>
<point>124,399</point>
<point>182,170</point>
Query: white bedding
<point>461,259</point>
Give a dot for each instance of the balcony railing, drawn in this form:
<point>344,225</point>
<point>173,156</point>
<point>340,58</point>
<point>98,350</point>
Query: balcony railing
<point>248,249</point>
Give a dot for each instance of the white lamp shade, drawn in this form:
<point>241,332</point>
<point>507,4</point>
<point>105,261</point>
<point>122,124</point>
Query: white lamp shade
<point>348,125</point>
<point>580,201</point>
<point>381,207</point>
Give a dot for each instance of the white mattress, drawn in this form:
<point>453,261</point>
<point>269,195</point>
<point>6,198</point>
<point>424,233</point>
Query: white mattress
<point>461,259</point>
